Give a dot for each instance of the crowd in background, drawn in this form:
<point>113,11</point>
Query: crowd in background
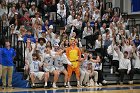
<point>34,22</point>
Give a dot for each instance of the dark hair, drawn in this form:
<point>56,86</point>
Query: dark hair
<point>48,46</point>
<point>42,39</point>
<point>36,55</point>
<point>125,52</point>
<point>106,30</point>
<point>7,40</point>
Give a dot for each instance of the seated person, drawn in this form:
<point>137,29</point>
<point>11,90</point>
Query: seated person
<point>59,62</point>
<point>91,70</point>
<point>48,66</point>
<point>84,74</point>
<point>35,69</point>
<point>98,67</point>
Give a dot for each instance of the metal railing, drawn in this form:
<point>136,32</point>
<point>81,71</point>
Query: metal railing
<point>116,9</point>
<point>108,5</point>
<point>61,19</point>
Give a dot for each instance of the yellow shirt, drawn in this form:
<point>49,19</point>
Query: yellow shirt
<point>73,55</point>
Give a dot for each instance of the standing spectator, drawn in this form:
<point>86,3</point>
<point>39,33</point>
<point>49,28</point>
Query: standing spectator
<point>46,25</point>
<point>13,19</point>
<point>103,28</point>
<point>77,24</point>
<point>87,30</point>
<point>5,22</point>
<point>127,47</point>
<point>23,9</point>
<point>61,2</point>
<point>136,41</point>
<point>136,65</point>
<point>98,45</point>
<point>96,15</point>
<point>37,18</point>
<point>29,35</point>
<point>8,55</point>
<point>32,10</point>
<point>0,62</point>
<point>29,49</point>
<point>62,12</point>
<point>107,42</point>
<point>124,65</point>
<point>12,12</point>
<point>115,58</point>
<point>70,19</point>
<point>134,33</point>
<point>53,10</point>
<point>25,17</point>
<point>3,8</point>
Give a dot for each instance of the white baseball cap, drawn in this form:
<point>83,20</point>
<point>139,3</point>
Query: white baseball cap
<point>56,44</point>
<point>51,27</point>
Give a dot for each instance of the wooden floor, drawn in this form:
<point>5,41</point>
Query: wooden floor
<point>104,89</point>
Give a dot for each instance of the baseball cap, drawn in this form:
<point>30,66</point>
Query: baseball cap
<point>51,27</point>
<point>56,44</point>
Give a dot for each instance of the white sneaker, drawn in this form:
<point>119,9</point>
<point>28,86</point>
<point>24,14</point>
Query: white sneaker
<point>88,84</point>
<point>28,78</point>
<point>54,85</point>
<point>130,82</point>
<point>96,84</point>
<point>69,86</point>
<point>79,85</point>
<point>104,82</point>
<point>100,84</point>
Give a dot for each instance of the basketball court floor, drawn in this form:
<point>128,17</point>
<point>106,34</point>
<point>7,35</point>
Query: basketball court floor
<point>105,89</point>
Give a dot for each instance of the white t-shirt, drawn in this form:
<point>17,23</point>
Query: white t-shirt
<point>97,44</point>
<point>40,48</point>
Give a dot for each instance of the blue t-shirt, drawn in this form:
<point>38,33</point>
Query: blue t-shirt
<point>7,56</point>
<point>0,55</point>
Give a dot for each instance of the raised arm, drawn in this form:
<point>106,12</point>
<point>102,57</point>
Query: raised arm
<point>97,60</point>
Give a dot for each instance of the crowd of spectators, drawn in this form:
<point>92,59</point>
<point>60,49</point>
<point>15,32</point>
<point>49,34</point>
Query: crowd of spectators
<point>34,22</point>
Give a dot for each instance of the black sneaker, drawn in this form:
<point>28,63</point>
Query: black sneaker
<point>45,87</point>
<point>33,86</point>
